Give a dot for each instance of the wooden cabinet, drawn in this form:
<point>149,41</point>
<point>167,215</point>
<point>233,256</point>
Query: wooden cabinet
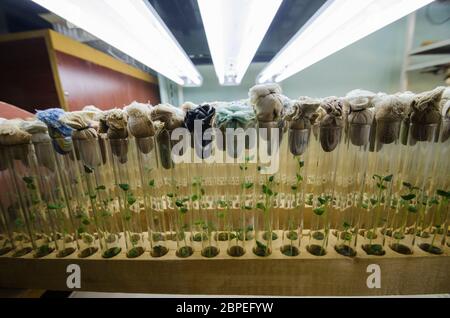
<point>43,69</point>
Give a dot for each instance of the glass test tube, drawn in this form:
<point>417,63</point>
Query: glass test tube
<point>150,174</point>
<point>31,219</point>
<point>53,195</point>
<point>322,182</point>
<point>95,168</point>
<point>413,191</point>
<point>127,191</point>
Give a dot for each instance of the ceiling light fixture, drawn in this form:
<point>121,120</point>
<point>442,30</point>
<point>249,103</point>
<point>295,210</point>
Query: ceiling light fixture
<point>134,28</point>
<point>234,30</point>
<point>337,24</point>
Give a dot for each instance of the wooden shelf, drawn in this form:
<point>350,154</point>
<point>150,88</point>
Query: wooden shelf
<point>441,47</point>
<point>436,63</point>
<point>332,274</point>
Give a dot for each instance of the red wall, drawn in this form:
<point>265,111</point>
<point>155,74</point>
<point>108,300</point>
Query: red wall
<point>86,83</point>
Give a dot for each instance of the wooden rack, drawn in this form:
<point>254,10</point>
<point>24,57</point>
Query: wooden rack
<point>332,274</point>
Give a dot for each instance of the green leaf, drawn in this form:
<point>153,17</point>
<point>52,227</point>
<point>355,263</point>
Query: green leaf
<point>202,191</point>
<point>261,206</point>
<point>93,196</point>
<point>148,169</point>
<point>19,223</point>
<point>376,176</point>
<point>319,210</point>
<point>247,207</point>
<point>151,183</point>
<point>346,225</point>
<point>388,178</point>
<point>31,186</point>
<point>443,193</point>
<point>248,158</point>
<point>261,245</point>
<point>248,185</point>
<point>88,169</point>
<point>373,201</point>
<point>131,200</point>
<point>271,178</point>
<point>106,214</point>
<point>28,179</point>
<point>346,236</point>
<point>301,163</point>
<point>183,210</point>
<point>81,230</point>
<point>407,184</point>
<point>127,216</point>
<point>321,200</point>
<point>364,205</point>
<point>85,221</point>
<point>294,188</point>
<point>194,197</point>
<point>433,201</point>
<point>179,203</point>
<point>408,197</point>
<point>199,222</point>
<point>412,208</point>
<point>100,187</point>
<point>124,186</point>
<point>170,195</point>
<point>299,178</point>
<point>267,190</point>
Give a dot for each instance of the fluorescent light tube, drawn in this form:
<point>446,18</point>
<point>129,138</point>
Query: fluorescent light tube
<point>234,30</point>
<point>134,28</point>
<point>337,24</point>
